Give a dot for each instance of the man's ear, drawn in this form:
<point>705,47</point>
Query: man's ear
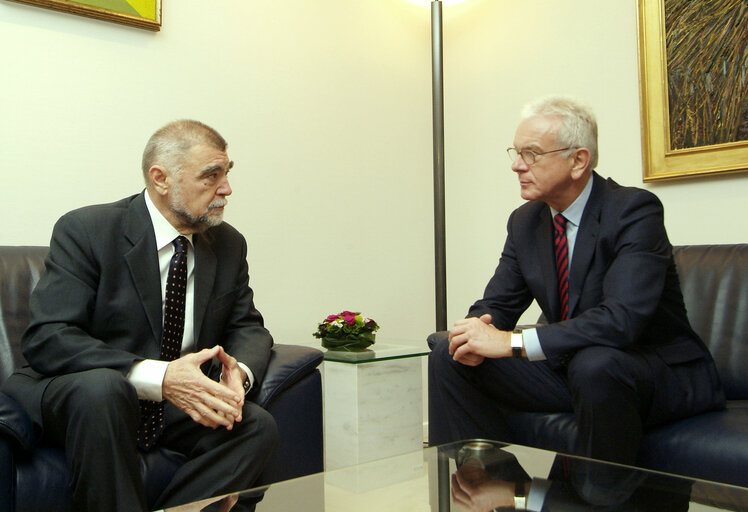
<point>581,161</point>
<point>159,179</point>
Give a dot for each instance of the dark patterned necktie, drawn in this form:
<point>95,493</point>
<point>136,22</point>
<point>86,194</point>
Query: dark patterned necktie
<point>561,245</point>
<point>152,413</point>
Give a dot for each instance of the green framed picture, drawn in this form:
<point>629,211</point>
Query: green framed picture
<point>138,13</point>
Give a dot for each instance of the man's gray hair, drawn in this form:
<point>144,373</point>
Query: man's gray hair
<point>169,144</point>
<point>578,128</point>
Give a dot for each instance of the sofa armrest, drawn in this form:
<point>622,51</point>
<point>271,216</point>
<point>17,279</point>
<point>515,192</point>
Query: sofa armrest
<point>15,423</point>
<point>436,337</point>
<point>288,364</point>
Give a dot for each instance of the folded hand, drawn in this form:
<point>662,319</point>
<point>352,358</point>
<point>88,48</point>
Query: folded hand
<point>471,340</point>
<point>207,402</point>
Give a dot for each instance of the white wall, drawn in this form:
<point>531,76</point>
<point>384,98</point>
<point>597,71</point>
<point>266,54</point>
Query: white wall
<point>499,56</point>
<point>326,107</point>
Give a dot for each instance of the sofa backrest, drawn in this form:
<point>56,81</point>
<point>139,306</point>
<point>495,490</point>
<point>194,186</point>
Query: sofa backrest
<point>714,281</point>
<point>20,269</point>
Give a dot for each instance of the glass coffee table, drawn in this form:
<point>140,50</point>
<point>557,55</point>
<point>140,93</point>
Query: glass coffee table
<point>482,475</point>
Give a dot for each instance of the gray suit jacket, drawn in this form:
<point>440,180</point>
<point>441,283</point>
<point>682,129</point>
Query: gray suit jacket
<point>98,305</point>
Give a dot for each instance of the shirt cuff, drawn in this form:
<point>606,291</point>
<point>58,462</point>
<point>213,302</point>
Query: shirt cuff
<point>250,377</point>
<point>532,345</point>
<point>148,376</point>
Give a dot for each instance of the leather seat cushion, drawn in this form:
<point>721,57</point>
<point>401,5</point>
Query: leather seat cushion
<point>709,446</point>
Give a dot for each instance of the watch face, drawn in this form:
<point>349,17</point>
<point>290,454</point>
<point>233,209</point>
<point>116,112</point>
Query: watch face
<point>515,341</point>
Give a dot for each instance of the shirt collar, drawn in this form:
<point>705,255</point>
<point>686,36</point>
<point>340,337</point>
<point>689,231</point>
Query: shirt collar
<point>164,231</point>
<point>574,212</point>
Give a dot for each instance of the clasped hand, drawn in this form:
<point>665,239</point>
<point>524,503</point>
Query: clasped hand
<point>206,401</point>
<point>471,340</point>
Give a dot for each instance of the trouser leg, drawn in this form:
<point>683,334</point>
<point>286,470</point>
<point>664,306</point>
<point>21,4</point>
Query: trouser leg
<point>612,392</point>
<point>467,401</point>
<point>94,416</point>
<point>220,461</point>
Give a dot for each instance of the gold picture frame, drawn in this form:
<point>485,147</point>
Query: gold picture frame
<point>137,13</point>
<point>660,160</point>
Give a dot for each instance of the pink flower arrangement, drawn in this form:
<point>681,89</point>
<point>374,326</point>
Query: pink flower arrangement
<point>349,326</point>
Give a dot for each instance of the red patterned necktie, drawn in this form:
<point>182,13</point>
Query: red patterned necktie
<point>561,246</point>
<point>152,413</point>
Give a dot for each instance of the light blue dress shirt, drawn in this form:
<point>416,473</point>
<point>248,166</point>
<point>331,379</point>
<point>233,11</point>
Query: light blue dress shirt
<point>573,215</point>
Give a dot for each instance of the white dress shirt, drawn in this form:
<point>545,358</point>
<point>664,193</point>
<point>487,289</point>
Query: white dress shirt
<point>148,375</point>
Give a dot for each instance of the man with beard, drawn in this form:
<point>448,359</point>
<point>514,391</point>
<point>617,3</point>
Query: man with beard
<point>144,333</point>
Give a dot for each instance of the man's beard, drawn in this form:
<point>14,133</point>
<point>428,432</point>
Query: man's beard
<point>197,223</point>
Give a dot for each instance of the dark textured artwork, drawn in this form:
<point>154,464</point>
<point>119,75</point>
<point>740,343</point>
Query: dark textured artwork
<point>707,71</point>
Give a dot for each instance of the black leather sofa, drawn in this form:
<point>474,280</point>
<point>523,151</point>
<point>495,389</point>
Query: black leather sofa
<point>711,446</point>
<point>33,477</point>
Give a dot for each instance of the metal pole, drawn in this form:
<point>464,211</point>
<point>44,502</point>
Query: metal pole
<point>437,99</point>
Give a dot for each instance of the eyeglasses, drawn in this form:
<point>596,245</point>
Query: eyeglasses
<point>529,156</point>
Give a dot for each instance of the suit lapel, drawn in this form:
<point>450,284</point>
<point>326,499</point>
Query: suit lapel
<point>205,274</point>
<point>584,246</point>
<point>544,243</point>
<point>142,262</point>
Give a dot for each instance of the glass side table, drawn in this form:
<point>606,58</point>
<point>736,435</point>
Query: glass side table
<point>372,403</point>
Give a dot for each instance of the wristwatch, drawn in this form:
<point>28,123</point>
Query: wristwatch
<point>517,343</point>
<point>247,385</point>
<point>520,500</point>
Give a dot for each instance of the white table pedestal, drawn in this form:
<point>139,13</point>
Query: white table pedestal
<point>372,410</point>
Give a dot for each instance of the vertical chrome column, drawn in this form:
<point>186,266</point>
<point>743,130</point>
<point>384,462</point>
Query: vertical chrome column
<point>437,95</point>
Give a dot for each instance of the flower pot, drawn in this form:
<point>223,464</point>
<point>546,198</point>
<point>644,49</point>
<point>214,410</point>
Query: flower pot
<point>354,344</point>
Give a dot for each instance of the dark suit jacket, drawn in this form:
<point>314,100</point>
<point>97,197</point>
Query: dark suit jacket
<point>623,292</point>
<point>98,305</point>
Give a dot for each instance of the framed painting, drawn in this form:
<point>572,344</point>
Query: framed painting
<point>693,60</point>
<point>138,13</point>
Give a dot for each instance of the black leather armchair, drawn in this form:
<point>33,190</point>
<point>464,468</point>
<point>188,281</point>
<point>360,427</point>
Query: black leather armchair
<point>34,476</point>
<point>711,446</point>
